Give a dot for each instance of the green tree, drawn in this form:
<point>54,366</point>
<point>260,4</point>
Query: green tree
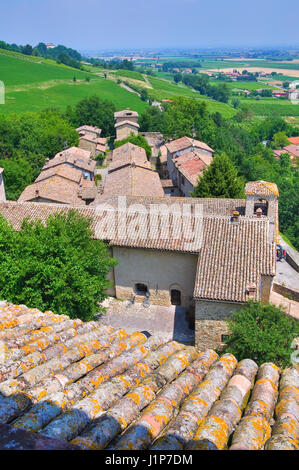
<point>280,140</point>
<point>262,332</point>
<point>55,266</point>
<point>93,111</point>
<point>177,77</point>
<point>138,140</point>
<point>235,102</point>
<point>220,180</point>
<point>144,94</point>
<point>17,175</point>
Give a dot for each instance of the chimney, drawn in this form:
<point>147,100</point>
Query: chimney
<point>251,290</point>
<point>236,216</point>
<point>37,192</point>
<point>259,212</point>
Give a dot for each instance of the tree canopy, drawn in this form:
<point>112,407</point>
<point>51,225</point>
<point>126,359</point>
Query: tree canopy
<point>263,333</point>
<point>56,266</point>
<point>220,180</point>
<point>26,140</point>
<point>93,111</point>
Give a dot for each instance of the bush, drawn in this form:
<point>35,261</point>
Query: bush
<point>138,140</point>
<point>263,333</point>
<point>55,266</point>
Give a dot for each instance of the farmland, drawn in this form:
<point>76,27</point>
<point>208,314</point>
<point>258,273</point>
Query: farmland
<point>33,85</point>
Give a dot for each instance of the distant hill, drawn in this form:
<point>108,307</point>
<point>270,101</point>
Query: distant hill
<point>35,83</point>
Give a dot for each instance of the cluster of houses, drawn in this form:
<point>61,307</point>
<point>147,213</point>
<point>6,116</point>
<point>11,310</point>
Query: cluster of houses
<point>292,149</point>
<point>207,255</point>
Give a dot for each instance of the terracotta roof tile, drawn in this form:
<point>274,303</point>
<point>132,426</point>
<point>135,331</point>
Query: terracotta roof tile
<point>86,386</point>
<point>73,156</point>
<point>262,188</point>
<point>184,143</point>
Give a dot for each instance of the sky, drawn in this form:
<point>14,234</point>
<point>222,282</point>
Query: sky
<point>119,24</point>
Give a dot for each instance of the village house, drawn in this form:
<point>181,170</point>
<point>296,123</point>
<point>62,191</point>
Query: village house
<point>68,178</point>
<point>126,123</point>
<point>186,159</point>
<point>131,174</point>
<point>292,150</point>
<point>90,139</point>
<point>187,169</point>
<point>75,158</point>
<point>208,256</point>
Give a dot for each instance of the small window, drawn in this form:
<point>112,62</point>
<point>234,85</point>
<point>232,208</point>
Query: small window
<point>224,338</point>
<point>141,289</point>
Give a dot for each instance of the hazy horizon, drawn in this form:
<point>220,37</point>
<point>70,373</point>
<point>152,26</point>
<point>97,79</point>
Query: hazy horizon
<point>169,24</point>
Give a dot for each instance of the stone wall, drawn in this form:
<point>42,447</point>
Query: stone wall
<point>211,322</point>
<point>159,271</point>
<point>88,145</point>
<point>122,132</point>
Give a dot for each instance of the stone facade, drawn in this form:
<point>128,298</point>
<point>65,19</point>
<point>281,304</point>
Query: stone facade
<point>125,130</point>
<point>211,322</point>
<point>160,271</point>
<point>87,144</point>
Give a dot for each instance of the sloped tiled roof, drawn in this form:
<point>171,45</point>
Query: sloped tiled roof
<point>89,129</point>
<point>74,156</point>
<point>69,384</point>
<point>232,257</point>
<point>294,140</point>
<point>128,154</point>
<point>261,188</point>
<point>191,165</point>
<point>185,142</point>
<point>125,113</point>
<point>133,180</point>
<point>55,188</point>
<point>126,123</point>
<point>64,171</point>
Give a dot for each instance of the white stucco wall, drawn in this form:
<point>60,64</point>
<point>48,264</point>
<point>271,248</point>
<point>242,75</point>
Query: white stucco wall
<point>160,271</point>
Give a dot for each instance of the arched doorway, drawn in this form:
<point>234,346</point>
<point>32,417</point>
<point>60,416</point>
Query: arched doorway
<point>175,297</point>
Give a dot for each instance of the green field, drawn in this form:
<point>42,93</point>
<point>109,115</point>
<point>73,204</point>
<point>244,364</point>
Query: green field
<point>130,74</point>
<point>61,95</point>
<point>33,84</point>
<point>243,85</point>
<point>271,106</point>
<point>15,71</point>
<point>164,89</point>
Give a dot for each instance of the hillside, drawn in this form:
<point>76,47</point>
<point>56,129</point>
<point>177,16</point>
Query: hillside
<point>34,83</point>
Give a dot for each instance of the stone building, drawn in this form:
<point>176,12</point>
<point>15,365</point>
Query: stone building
<point>207,255</point>
<point>90,139</point>
<point>186,160</point>
<point>126,123</point>
<point>68,178</point>
<point>131,174</point>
